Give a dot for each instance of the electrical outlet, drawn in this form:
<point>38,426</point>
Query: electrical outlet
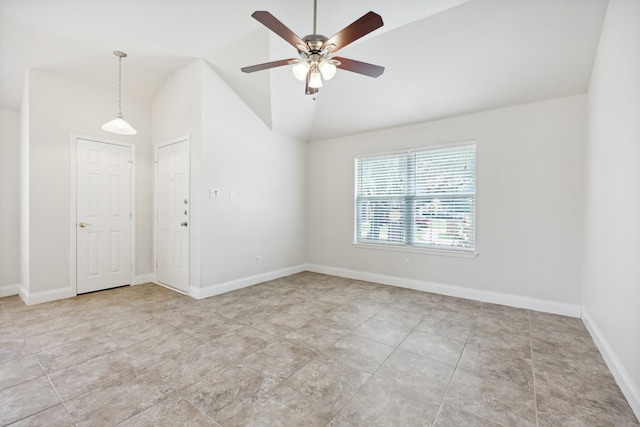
<point>258,259</point>
<point>407,263</point>
<point>213,192</point>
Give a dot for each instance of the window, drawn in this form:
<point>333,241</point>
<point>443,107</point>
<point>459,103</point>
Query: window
<point>423,198</point>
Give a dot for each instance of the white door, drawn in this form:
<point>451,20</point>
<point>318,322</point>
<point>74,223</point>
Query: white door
<point>103,215</point>
<point>172,215</point>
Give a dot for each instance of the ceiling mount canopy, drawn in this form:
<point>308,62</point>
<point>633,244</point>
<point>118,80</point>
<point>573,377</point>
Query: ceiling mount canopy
<point>119,124</point>
<point>315,50</point>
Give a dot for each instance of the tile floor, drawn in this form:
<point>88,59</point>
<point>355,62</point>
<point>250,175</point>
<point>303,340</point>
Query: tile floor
<point>304,350</point>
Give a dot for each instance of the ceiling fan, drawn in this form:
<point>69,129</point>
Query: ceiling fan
<point>315,62</point>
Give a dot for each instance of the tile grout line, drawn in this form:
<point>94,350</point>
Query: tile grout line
<point>372,373</point>
<point>446,390</point>
<point>533,371</point>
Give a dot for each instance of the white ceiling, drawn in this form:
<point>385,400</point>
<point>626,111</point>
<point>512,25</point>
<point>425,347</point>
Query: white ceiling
<point>442,57</point>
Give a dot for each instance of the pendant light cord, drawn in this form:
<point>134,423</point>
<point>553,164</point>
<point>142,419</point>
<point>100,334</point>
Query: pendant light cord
<point>120,85</point>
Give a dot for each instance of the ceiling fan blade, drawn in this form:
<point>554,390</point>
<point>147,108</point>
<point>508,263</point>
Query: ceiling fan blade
<point>267,65</point>
<point>361,27</point>
<point>359,67</point>
<point>272,23</point>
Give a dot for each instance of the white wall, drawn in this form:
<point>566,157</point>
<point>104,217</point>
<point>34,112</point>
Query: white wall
<point>266,170</point>
<point>10,206</point>
<point>56,109</point>
<point>612,215</point>
<point>232,149</point>
<point>529,201</point>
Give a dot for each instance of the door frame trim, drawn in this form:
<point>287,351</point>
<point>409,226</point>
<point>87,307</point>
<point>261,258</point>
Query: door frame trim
<point>73,220</point>
<point>187,139</point>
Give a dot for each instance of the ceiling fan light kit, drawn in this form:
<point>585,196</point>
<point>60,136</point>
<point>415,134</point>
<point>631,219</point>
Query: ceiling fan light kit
<point>314,50</point>
<point>119,125</point>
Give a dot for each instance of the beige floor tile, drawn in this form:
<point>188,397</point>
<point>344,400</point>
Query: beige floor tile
<point>315,335</point>
<point>343,320</point>
<point>12,344</point>
<point>595,390</point>
<point>359,352</point>
<point>173,411</point>
<point>162,347</point>
<point>65,355</point>
<point>455,329</point>
<point>56,416</point>
<point>503,364</point>
<point>224,393</point>
<point>193,364</point>
<point>399,316</point>
<point>364,306</point>
<point>556,412</point>
<point>58,337</point>
<point>430,375</point>
<point>142,331</point>
<point>26,399</point>
<point>390,402</point>
<point>114,402</point>
<point>86,376</point>
<point>499,401</point>
<point>328,383</point>
<point>384,332</point>
<point>16,371</point>
<point>281,407</point>
<point>279,360</point>
<point>451,416</point>
<point>436,347</point>
<point>209,333</point>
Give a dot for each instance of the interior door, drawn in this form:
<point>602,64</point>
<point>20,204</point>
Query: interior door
<point>103,215</point>
<point>172,215</point>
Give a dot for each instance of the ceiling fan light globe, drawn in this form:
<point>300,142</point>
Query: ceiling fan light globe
<point>300,70</point>
<point>327,69</point>
<point>315,80</point>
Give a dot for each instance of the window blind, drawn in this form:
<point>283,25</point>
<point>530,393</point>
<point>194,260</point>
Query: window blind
<point>421,198</point>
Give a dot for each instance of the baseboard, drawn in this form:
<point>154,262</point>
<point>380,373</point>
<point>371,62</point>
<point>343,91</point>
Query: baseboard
<point>454,291</point>
<point>32,298</point>
<point>143,278</point>
<point>9,290</point>
<point>630,390</point>
<point>232,285</point>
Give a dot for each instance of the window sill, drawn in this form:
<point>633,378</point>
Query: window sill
<point>413,249</point>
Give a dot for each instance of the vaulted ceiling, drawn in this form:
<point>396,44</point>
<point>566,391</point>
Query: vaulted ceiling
<point>442,57</point>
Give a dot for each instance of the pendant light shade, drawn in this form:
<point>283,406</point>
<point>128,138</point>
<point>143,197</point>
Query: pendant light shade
<point>119,124</point>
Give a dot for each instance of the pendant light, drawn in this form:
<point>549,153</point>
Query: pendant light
<point>119,125</point>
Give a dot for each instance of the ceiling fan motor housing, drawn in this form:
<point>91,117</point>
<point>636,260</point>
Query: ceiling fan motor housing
<point>314,42</point>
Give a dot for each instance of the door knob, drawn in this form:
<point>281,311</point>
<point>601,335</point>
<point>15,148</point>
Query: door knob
<point>84,224</point>
<point>184,224</point>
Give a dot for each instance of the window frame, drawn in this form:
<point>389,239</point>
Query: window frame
<point>412,248</point>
